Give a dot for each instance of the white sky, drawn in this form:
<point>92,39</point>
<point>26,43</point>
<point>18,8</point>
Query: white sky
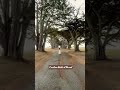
<point>78,4</point>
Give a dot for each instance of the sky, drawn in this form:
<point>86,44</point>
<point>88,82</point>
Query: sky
<point>77,4</point>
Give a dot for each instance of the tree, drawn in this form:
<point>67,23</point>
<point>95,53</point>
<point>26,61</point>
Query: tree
<point>102,22</point>
<point>49,13</point>
<point>52,34</point>
<point>76,29</point>
<point>67,36</point>
<point>15,17</point>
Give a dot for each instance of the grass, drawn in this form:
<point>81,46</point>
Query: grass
<point>110,53</point>
<point>113,53</point>
<point>105,72</point>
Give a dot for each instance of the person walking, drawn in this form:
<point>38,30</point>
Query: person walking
<point>59,52</point>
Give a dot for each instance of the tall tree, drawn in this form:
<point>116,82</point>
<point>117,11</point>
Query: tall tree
<point>15,18</point>
<point>49,13</point>
<point>102,23</point>
<point>76,29</point>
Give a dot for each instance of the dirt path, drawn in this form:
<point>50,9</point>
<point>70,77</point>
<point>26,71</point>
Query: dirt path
<point>60,79</point>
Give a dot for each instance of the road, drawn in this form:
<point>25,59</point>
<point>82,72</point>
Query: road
<point>60,79</point>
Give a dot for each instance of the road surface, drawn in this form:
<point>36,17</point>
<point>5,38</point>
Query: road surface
<point>60,79</point>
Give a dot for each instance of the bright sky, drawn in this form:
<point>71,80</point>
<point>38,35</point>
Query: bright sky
<point>78,4</point>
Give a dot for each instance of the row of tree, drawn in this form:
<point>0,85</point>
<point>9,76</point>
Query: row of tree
<point>51,15</point>
<point>100,29</point>
<point>15,18</point>
<point>102,25</point>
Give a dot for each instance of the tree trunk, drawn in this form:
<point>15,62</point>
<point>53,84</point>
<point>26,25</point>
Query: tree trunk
<point>52,42</point>
<point>41,37</point>
<point>20,48</point>
<point>37,41</point>
<point>37,31</point>
<point>99,48</point>
<point>45,37</point>
<point>41,30</point>
<point>69,46</point>
<point>41,49</point>
<point>6,26</point>
<point>42,43</point>
<point>76,46</point>
<point>100,53</point>
<point>5,49</point>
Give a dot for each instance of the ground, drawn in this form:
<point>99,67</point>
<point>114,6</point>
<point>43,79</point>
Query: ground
<point>103,75</point>
<point>60,79</point>
<point>93,75</point>
<point>16,75</point>
<point>99,75</point>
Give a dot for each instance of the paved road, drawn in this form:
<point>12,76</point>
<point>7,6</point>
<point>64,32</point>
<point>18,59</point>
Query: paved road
<point>56,79</point>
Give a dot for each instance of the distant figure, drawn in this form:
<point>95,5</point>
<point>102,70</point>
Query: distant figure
<point>59,52</point>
